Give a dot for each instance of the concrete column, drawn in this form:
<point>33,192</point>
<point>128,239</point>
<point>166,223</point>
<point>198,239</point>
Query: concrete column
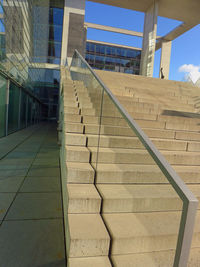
<point>149,40</point>
<point>165,58</point>
<point>73,29</point>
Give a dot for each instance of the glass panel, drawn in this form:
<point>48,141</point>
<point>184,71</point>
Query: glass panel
<point>3,86</point>
<point>29,115</point>
<point>13,108</point>
<point>23,110</point>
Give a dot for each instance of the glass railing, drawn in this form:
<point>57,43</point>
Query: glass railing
<point>133,177</point>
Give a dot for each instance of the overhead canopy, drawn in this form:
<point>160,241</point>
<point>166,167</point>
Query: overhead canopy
<point>183,10</point>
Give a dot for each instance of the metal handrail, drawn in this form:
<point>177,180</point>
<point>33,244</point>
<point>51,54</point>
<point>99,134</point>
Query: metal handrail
<point>190,202</point>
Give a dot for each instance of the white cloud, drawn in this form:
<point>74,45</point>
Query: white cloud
<point>191,71</point>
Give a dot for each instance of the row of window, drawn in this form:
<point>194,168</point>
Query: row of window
<point>91,59</point>
<point>129,70</point>
<point>100,49</point>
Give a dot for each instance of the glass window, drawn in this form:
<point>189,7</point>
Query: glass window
<point>102,49</point>
<point>97,49</point>
<point>29,115</point>
<point>23,110</point>
<point>56,16</point>
<point>99,66</point>
<point>55,33</point>
<point>54,49</point>
<point>118,51</point>
<point>108,50</point>
<point>123,52</point>
<point>13,108</point>
<point>87,57</point>
<point>113,51</point>
<point>92,47</point>
<point>3,86</point>
<point>99,59</point>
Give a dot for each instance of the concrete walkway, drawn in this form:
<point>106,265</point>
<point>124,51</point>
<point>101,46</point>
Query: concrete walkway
<point>31,215</point>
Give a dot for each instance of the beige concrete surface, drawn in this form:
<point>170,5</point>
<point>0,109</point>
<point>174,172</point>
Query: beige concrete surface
<point>83,199</point>
<point>89,262</point>
<point>31,215</point>
<point>88,235</point>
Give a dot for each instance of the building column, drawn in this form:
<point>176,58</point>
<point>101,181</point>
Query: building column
<point>73,29</point>
<point>149,40</point>
<point>165,58</point>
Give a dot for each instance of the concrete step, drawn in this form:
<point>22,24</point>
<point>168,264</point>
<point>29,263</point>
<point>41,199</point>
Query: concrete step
<point>141,198</point>
<point>145,232</point>
<point>72,118</point>
<point>75,139</point>
<point>83,198</point>
<point>117,121</point>
<point>194,146</point>
<point>126,131</point>
<point>140,156</point>
<point>120,155</point>
<point>142,174</point>
<point>134,142</point>
<point>88,236</point>
<point>154,259</point>
<point>81,173</point>
<point>128,174</point>
<point>72,127</point>
<point>71,110</point>
<point>190,136</point>
<point>182,127</point>
<point>77,154</point>
<point>178,119</point>
<point>89,262</point>
<point>70,104</point>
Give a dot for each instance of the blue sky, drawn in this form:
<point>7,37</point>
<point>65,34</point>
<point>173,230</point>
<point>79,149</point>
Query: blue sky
<point>185,49</point>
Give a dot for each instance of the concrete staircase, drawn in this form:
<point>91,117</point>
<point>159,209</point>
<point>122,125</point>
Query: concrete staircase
<point>120,210</point>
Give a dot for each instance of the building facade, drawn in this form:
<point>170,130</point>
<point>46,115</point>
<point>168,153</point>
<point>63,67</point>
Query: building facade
<point>112,57</point>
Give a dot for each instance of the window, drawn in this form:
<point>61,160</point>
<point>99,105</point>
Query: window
<point>3,86</point>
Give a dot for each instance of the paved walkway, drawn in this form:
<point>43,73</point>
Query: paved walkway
<point>31,215</point>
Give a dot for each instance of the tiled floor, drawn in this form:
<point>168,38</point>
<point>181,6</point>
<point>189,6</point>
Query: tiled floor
<point>31,216</point>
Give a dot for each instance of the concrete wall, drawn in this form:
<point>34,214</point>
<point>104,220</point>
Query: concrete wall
<point>149,41</point>
<point>165,58</point>
<point>73,28</point>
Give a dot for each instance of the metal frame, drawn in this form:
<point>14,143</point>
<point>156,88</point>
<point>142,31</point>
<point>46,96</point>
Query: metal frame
<point>190,202</point>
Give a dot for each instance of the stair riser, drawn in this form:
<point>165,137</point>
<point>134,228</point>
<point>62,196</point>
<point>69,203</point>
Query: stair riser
<point>141,205</point>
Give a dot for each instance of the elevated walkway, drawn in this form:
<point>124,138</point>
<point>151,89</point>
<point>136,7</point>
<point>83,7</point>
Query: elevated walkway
<point>31,215</point>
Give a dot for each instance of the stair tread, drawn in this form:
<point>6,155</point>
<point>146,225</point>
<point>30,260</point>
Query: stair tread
<point>102,261</point>
<point>132,225</point>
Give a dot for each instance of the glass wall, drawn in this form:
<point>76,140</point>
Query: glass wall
<point>46,87</point>
<point>47,34</point>
<point>23,109</point>
<point>13,108</point>
<point>3,86</point>
<point>18,108</point>
<point>30,33</point>
<point>113,58</point>
<point>16,38</point>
